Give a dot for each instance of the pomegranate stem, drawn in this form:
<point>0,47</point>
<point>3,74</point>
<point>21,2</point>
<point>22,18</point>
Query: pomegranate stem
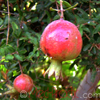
<point>61,8</point>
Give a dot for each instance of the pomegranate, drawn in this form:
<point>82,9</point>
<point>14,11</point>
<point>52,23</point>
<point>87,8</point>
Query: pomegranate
<point>61,40</point>
<point>23,82</point>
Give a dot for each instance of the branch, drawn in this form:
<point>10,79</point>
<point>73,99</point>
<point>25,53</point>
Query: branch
<point>87,87</point>
<point>8,22</point>
<point>57,8</point>
<point>10,13</point>
<point>1,32</point>
<point>20,67</point>
<point>89,9</point>
<point>61,8</point>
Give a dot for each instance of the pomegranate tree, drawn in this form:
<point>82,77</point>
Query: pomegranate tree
<point>23,82</point>
<point>61,40</point>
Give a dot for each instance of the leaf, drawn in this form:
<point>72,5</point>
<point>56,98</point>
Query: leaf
<point>86,47</point>
<point>31,54</point>
<point>10,72</point>
<point>9,57</point>
<point>83,13</point>
<point>94,50</point>
<point>56,17</point>
<point>18,57</point>
<point>1,21</point>
<point>52,0</point>
<point>72,65</point>
<point>2,51</point>
<point>81,30</point>
<point>12,1</point>
<point>14,26</point>
<point>22,51</point>
<point>97,29</point>
<point>91,23</point>
<point>34,19</point>
<point>34,40</point>
<point>98,40</point>
<point>72,7</point>
<point>13,65</point>
<point>25,28</point>
<point>66,4</point>
<point>80,20</point>
<point>89,66</point>
<point>86,29</point>
<point>10,48</point>
<point>94,72</point>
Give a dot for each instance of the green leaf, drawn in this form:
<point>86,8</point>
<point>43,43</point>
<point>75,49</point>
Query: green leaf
<point>56,17</point>
<point>86,29</point>
<point>9,57</point>
<point>17,33</point>
<point>91,23</point>
<point>97,29</point>
<point>81,30</point>
<point>86,47</point>
<point>34,19</point>
<point>2,51</point>
<point>72,7</point>
<point>52,0</point>
<point>98,40</point>
<point>94,50</point>
<point>13,65</point>
<point>31,54</point>
<point>10,48</point>
<point>22,51</point>
<point>1,21</point>
<point>25,28</point>
<point>16,30</point>
<point>94,72</point>
<point>34,41</point>
<point>12,1</point>
<point>66,4</point>
<point>84,14</point>
<point>18,57</point>
<point>14,26</point>
<point>89,66</point>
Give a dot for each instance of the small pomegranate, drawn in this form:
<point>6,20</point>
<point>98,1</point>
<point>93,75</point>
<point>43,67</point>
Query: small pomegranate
<point>23,82</point>
<point>61,40</point>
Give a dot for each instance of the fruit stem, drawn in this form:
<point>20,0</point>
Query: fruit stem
<point>61,9</point>
<point>20,67</point>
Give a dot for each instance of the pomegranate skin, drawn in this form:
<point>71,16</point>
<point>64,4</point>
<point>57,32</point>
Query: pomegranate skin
<point>23,82</point>
<point>61,40</point>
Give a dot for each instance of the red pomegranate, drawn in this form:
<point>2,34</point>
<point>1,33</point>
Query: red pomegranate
<point>23,83</point>
<point>62,41</point>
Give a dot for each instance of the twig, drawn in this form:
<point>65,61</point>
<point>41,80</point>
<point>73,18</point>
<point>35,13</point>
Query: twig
<point>89,9</point>
<point>10,13</point>
<point>99,33</point>
<point>86,36</point>
<point>57,8</point>
<point>43,15</point>
<point>61,8</point>
<point>3,28</point>
<point>8,22</point>
<point>17,43</point>
<point>20,67</point>
<point>1,32</point>
<point>19,61</point>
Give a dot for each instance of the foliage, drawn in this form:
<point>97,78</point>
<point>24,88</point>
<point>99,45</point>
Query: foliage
<point>28,18</point>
